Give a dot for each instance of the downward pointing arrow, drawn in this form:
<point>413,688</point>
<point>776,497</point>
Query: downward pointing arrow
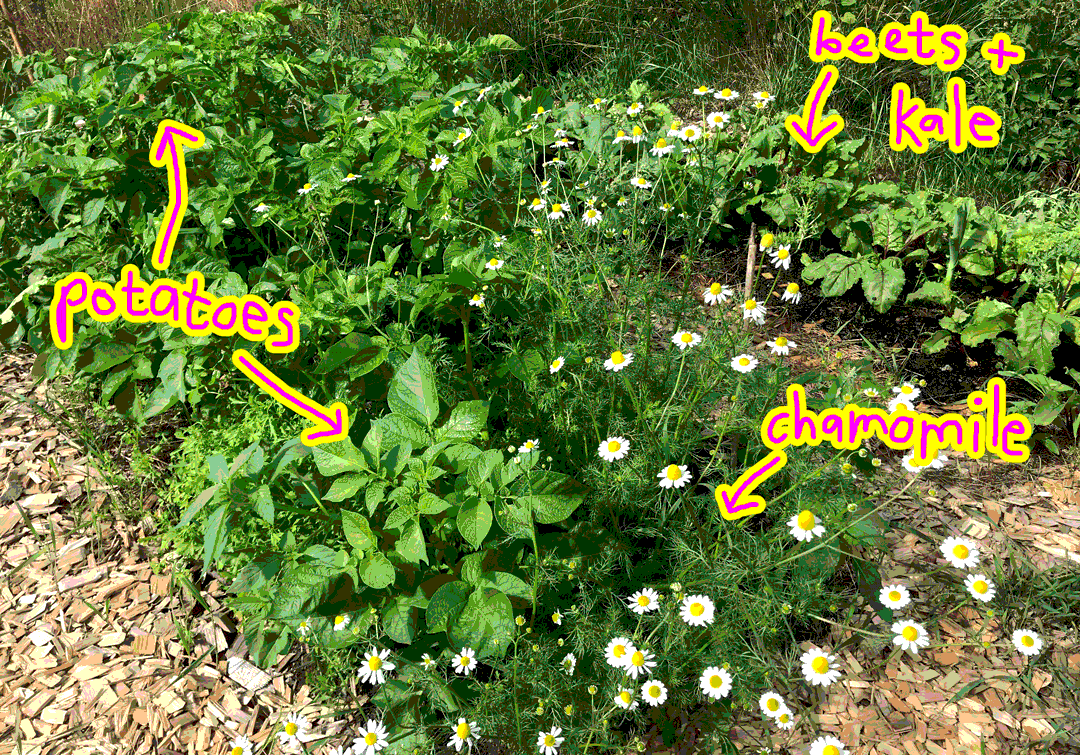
<point>167,152</point>
<point>330,423</point>
<point>802,128</point>
<point>735,500</point>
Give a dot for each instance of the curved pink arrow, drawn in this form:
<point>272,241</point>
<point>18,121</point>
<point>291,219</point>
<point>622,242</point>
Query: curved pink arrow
<point>330,423</point>
<point>169,139</point>
<point>802,128</point>
<point>729,496</point>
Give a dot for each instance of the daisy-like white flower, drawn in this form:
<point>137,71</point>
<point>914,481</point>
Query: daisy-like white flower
<point>341,621</point>
<point>439,162</point>
<point>306,188</point>
<point>303,628</point>
<point>754,310</point>
<point>80,123</point>
<point>458,104</point>
<point>464,134</point>
<point>569,663</point>
<point>499,241</point>
<point>637,135</point>
<point>614,448</point>
<point>781,256</point>
<point>684,339</point>
<point>697,610</point>
<point>644,601</point>
<point>897,401</point>
<point>528,447</point>
<point>634,109</point>
<point>556,365</point>
<point>908,390</point>
<point>545,185</point>
<point>690,133</point>
<point>910,635</point>
<point>781,346</point>
<point>980,587</point>
<point>477,300</point>
<point>618,361</point>
<point>482,94</point>
<point>540,111</point>
<point>591,201</point>
<point>538,232</point>
<point>554,161</point>
<point>909,462</point>
<point>894,596</point>
<point>560,132</point>
<point>639,662</point>
<point>349,178</point>
<point>827,746</point>
<point>661,148</point>
<point>792,293</point>
<point>767,240</point>
<point>654,692</point>
<point>373,737</point>
<point>556,212</point>
<point>620,136</point>
<point>871,392</point>
<point>465,661</point>
<point>960,552</point>
<point>261,208</point>
<point>538,203</point>
<point>592,216</point>
<point>240,746</point>
<point>549,741</point>
<point>494,263</point>
<point>819,667</point>
<point>771,704</point>
<point>375,667</point>
<point>465,733</point>
<point>805,526</point>
<point>785,719</point>
<point>701,91</point>
<point>622,201</point>
<point>673,132</point>
<point>761,105</point>
<point>559,143</point>
<point>666,207</point>
<point>717,294</point>
<point>717,119</point>
<point>674,476</point>
<point>295,731</point>
<point>618,652</point>
<point>624,698</point>
<point>597,103</point>
<point>744,363</point>
<point>556,618</point>
<point>640,183</point>
<point>715,682</point>
<point>764,97</point>
<point>725,94</point>
<point>1027,642</point>
<point>427,661</point>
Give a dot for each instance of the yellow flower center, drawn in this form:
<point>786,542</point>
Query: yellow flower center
<point>714,289</point>
<point>619,651</point>
<point>960,551</point>
<point>744,362</point>
<point>697,609</point>
<point>374,663</point>
<point>654,690</point>
<point>764,94</point>
<point>463,660</point>
<point>617,357</point>
<point>620,133</point>
<point>459,103</point>
<point>549,740</point>
<point>793,288</point>
<point>772,704</point>
<point>291,728</point>
<point>781,341</point>
<point>537,202</point>
<point>236,751</point>
<point>529,445</point>
<point>350,176</point>
<point>767,240</point>
<point>980,586</point>
<point>462,730</point>
<point>806,520</point>
<point>689,132</point>
<point>638,658</point>
<point>556,207</point>
<point>613,446</point>
<point>307,186</point>
<point>1027,641</point>
<point>820,664</point>
<point>894,595</point>
<point>782,254</point>
<point>625,697</point>
<point>339,620</point>
<point>476,297</point>
<point>661,143</point>
<point>783,718</point>
<point>540,110</point>
<point>371,738</point>
<point>715,681</point>
<point>494,262</point>
<point>910,634</point>
<point>556,364</point>
<point>597,101</point>
<point>751,304</point>
<point>637,131</point>
<point>906,389</point>
<point>831,750</point>
<point>673,472</point>
<point>687,337</point>
<point>725,92</point>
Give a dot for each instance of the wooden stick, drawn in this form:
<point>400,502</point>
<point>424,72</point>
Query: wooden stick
<point>751,260</point>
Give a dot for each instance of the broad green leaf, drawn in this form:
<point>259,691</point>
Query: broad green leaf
<point>396,459</point>
<point>346,486</point>
<point>482,466</point>
<point>215,536</point>
<point>401,620</point>
<point>551,495</point>
<point>300,585</point>
<point>431,504</point>
<point>357,530</point>
<point>990,318</point>
<point>339,457</point>
<point>109,355</point>
<point>411,544</point>
<point>1038,331</point>
<point>503,42</point>
<point>374,495</point>
<point>263,503</point>
<point>376,571</point>
<point>466,421</point>
<point>934,291</point>
<point>397,429</point>
<point>446,604</point>
<point>412,391</point>
<point>507,583</point>
<point>838,272</point>
<point>399,516</point>
<point>882,283</point>
<point>514,519</point>
<point>213,493</point>
<point>474,521</point>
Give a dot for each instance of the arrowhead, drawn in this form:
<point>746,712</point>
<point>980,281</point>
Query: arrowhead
<point>731,507</point>
<point>328,428</point>
<point>801,127</point>
<point>170,134</point>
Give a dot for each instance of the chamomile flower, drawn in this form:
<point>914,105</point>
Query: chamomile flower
<point>427,661</point>
<point>618,361</point>
<point>458,105</point>
<point>637,135</point>
<point>661,148</point>
<point>754,310</point>
<point>538,203</point>
<point>240,746</point>
<point>805,526</point>
<point>715,682</point>
<point>622,201</point>
<point>295,731</point>
<point>465,661</point>
<point>684,339</point>
<point>792,293</point>
<point>640,183</point>
<point>665,208</point>
<point>591,201</point>
<point>559,143</point>
<point>624,698</point>
<point>557,212</point>
<point>960,552</point>
<point>897,401</point>
<point>781,346</point>
<point>654,692</point>
<point>597,103</point>
<point>556,365</point>
<point>341,621</point>
<point>528,447</point>
<point>717,294</point>
<point>725,94</point>
<point>1027,642</point>
<point>673,132</point>
<point>545,185</point>
<point>592,216</point>
<point>910,635</point>
<point>767,240</point>
<point>819,667</point>
<point>439,162</point>
<point>464,134</point>
<point>644,601</point>
<point>781,256</point>
<point>614,448</point>
<point>540,111</point>
<point>618,652</point>
<point>499,241</point>
<point>690,133</point>
<point>303,628</point>
<point>569,663</point>
<point>555,161</point>
<point>464,733</point>
<point>771,704</point>
<point>477,300</point>
<point>620,137</point>
<point>701,91</point>
<point>980,587</point>
<point>306,188</point>
<point>261,208</point>
<point>494,263</point>
<point>80,123</point>
<point>349,178</point>
<point>549,741</point>
<point>908,390</point>
<point>744,363</point>
<point>634,109</point>
<point>871,392</point>
<point>761,105</point>
<point>372,738</point>
<point>375,667</point>
<point>717,119</point>
<point>827,746</point>
<point>482,94</point>
<point>674,476</point>
<point>697,610</point>
<point>639,662</point>
<point>894,596</point>
<point>764,97</point>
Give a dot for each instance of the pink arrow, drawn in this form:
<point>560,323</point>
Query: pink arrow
<point>170,138</point>
<point>330,423</point>
<point>729,496</point>
<point>802,128</point>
